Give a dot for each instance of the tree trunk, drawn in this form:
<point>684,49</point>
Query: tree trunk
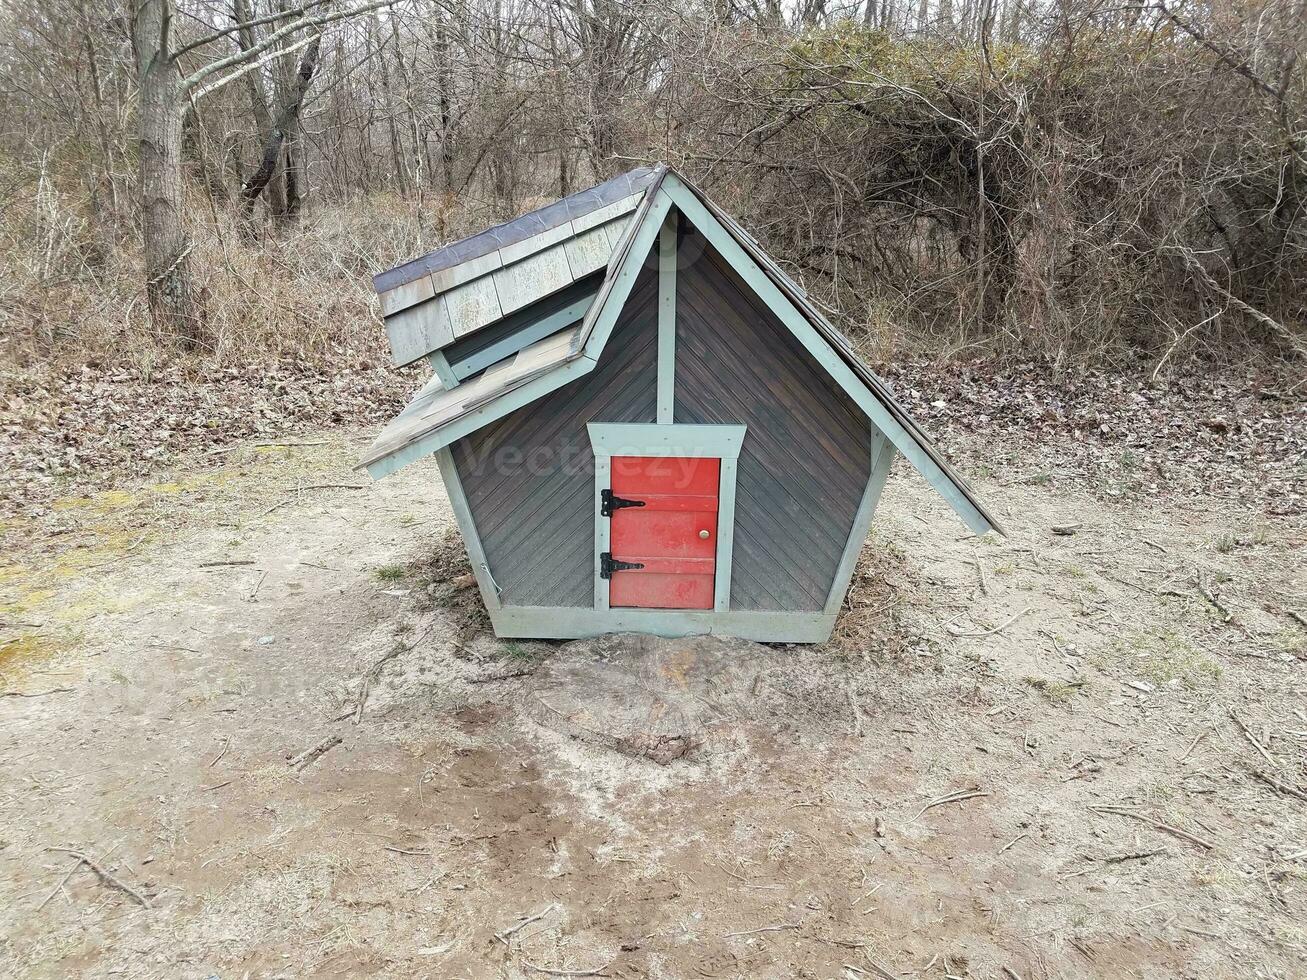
<point>285,137</point>
<point>293,170</point>
<point>169,287</point>
<point>446,81</point>
<point>246,39</point>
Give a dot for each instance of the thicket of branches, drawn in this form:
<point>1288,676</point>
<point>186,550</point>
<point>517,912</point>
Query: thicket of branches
<point>1076,179</point>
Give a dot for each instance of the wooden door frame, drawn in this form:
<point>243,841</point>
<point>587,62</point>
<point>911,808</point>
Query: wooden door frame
<point>723,442</point>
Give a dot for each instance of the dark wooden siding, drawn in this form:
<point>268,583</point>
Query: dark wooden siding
<point>806,457</point>
<point>529,478</point>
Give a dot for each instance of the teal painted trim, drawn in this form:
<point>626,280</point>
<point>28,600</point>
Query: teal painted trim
<point>609,439</point>
<point>689,205</point>
<point>496,352</point>
<point>667,320</point>
<point>497,409</point>
<point>638,439</point>
<point>441,369</point>
<point>603,526</point>
<point>563,623</point>
<point>882,457</point>
<point>725,535</point>
<point>471,540</point>
<point>617,287</point>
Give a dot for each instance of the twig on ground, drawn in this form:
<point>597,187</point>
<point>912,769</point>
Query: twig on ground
<point>1297,616</point>
<point>1012,843</point>
<point>328,486</point>
<point>845,943</point>
<point>104,875</point>
<point>404,850</point>
<point>1226,615</point>
<point>1155,824</point>
<point>35,694</point>
<point>77,863</point>
<point>279,504</point>
<point>997,629</point>
<point>1278,786</point>
<point>492,678</point>
<point>955,797</point>
<point>503,936</point>
<point>374,671</point>
<point>363,697</point>
<point>171,646</point>
<point>369,676</point>
<point>857,713</point>
<point>1194,744</point>
<point>258,585</point>
<point>1136,856</point>
<point>595,972</point>
<point>980,573</point>
<point>1065,530</point>
<point>216,786</point>
<point>226,744</point>
<point>265,445</point>
<point>872,969</point>
<point>751,932</point>
<point>222,564</point>
<point>310,756</point>
<point>880,971</point>
<point>1247,733</point>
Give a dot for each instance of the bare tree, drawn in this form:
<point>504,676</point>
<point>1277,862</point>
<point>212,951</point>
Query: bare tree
<point>167,92</point>
<point>1073,177</point>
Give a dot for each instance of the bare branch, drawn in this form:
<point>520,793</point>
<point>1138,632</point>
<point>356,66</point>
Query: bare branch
<point>254,66</point>
<point>243,25</point>
<point>240,57</point>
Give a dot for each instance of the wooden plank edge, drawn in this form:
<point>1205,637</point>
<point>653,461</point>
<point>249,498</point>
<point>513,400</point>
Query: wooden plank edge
<point>564,623</point>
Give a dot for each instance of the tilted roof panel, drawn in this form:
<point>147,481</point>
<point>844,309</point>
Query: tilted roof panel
<point>517,230</point>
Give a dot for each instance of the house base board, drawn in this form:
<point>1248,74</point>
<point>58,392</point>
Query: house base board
<point>568,623</point>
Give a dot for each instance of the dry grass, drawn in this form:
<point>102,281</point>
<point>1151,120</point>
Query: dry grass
<point>72,292</point>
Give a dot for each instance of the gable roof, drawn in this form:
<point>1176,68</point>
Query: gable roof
<point>436,418</point>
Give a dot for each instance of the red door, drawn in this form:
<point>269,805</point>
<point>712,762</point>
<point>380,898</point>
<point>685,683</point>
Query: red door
<point>664,519</point>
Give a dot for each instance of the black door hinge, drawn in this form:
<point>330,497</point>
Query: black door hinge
<point>608,565</point>
<point>608,503</point>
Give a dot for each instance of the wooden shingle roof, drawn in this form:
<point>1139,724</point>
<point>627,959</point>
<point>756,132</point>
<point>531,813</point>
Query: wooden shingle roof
<point>437,298</point>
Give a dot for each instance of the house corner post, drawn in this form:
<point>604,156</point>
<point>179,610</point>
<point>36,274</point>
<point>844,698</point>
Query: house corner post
<point>667,319</point>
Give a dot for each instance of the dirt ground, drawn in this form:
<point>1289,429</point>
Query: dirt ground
<point>1053,755</point>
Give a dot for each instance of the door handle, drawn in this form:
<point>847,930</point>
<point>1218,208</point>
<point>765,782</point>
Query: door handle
<point>704,534</point>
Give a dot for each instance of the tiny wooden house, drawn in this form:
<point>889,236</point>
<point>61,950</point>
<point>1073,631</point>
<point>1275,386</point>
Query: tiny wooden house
<point>642,423</point>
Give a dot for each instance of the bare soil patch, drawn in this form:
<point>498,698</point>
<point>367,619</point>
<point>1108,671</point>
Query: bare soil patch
<point>1017,757</point>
